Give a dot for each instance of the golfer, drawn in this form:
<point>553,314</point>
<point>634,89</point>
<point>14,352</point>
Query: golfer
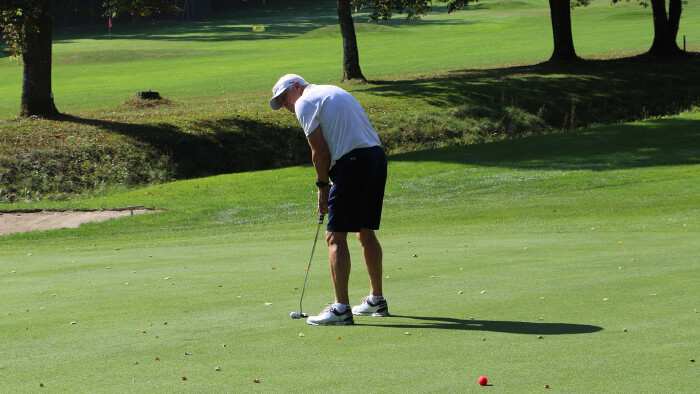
<point>345,149</point>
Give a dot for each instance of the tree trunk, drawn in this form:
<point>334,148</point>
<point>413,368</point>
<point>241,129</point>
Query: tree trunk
<point>664,45</point>
<point>674,17</point>
<point>195,9</point>
<point>351,57</point>
<point>561,29</point>
<point>37,98</point>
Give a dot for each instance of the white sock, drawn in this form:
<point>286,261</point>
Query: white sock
<point>340,307</point>
<point>374,299</point>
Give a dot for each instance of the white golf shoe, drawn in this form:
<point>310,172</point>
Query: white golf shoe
<point>331,317</point>
<point>367,308</point>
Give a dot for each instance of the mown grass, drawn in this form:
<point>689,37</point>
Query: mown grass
<point>222,56</point>
<point>587,239</point>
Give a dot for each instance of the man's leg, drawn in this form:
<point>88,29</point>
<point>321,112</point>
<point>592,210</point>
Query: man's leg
<point>372,252</point>
<point>339,257</point>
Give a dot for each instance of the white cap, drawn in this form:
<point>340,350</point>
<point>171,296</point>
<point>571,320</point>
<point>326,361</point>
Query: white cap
<point>282,85</point>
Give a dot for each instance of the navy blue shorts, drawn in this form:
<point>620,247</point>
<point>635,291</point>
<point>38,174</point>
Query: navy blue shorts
<point>356,197</point>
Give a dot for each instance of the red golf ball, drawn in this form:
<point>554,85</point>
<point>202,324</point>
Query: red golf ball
<point>483,381</point>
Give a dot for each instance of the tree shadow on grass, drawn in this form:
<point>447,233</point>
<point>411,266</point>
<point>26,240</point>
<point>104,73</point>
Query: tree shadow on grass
<point>212,147</point>
<point>564,95</point>
<point>509,327</point>
<point>658,142</point>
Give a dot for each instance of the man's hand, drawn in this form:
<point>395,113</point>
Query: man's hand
<point>323,199</point>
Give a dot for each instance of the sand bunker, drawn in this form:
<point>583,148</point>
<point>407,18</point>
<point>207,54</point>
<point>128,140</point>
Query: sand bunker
<point>21,222</point>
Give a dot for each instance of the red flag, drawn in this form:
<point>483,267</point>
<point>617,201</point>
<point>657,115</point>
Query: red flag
<point>110,21</point>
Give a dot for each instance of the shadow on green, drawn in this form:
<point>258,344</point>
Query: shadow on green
<point>508,327</point>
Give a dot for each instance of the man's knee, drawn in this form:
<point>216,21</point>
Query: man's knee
<point>367,237</point>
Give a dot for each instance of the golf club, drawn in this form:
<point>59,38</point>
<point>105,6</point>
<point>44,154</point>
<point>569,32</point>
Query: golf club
<point>295,315</point>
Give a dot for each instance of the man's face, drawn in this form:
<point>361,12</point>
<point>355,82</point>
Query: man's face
<point>290,97</point>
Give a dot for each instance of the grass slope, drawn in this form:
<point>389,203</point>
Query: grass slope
<point>573,237</point>
<point>221,55</point>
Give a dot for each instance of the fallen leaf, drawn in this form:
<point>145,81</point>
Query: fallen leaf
<point>157,359</point>
<point>217,369</point>
<point>338,338</point>
<point>184,378</point>
<point>624,330</point>
<point>540,337</point>
<point>73,322</point>
<point>301,334</point>
<point>268,303</point>
<point>461,292</point>
<point>256,380</point>
<point>483,291</point>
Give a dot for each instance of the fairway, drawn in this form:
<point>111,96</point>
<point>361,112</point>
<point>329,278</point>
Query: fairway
<point>567,260</point>
<point>222,56</point>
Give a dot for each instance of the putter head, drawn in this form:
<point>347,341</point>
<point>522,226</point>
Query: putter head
<point>295,315</point>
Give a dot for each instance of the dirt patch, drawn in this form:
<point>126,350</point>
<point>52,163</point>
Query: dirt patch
<point>22,222</point>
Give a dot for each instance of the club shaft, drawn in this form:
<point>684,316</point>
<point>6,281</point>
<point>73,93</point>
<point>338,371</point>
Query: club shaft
<point>308,267</point>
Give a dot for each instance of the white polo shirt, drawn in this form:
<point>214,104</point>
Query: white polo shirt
<point>343,122</point>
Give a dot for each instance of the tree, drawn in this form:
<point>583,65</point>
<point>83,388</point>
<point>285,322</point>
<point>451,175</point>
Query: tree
<point>665,27</point>
<point>27,27</point>
<point>560,12</point>
<point>351,56</point>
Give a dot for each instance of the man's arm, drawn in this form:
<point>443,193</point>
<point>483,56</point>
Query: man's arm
<point>321,158</point>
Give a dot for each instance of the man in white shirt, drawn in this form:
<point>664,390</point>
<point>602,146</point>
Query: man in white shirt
<point>345,149</point>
